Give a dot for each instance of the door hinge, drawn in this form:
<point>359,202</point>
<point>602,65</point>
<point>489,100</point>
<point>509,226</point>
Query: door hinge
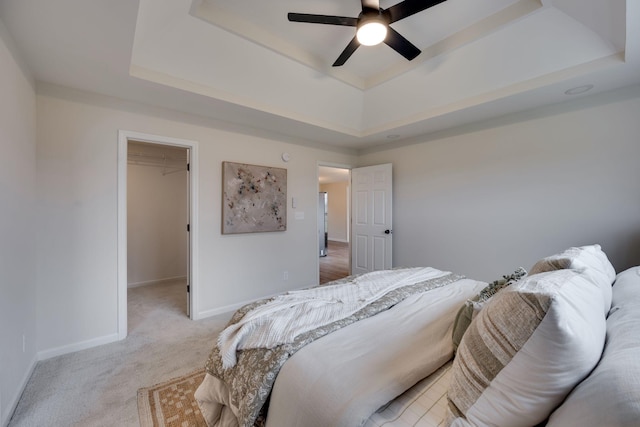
<point>188,288</point>
<point>188,228</point>
<point>188,167</point>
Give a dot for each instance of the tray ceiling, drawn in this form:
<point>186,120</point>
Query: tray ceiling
<point>243,62</point>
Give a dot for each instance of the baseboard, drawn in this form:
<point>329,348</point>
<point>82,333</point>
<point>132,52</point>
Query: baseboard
<point>338,240</point>
<point>221,310</point>
<point>155,282</point>
<point>232,307</point>
<point>13,403</point>
<point>83,345</point>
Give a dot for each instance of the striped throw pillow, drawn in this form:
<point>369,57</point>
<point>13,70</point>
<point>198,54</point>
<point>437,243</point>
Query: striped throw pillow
<point>526,349</point>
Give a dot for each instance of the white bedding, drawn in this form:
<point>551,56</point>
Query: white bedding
<point>343,378</point>
<point>291,314</point>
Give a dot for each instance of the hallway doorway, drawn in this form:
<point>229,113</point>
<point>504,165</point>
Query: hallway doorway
<point>335,260</point>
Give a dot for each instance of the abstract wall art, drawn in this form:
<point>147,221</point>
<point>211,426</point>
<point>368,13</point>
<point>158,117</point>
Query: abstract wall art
<point>254,198</point>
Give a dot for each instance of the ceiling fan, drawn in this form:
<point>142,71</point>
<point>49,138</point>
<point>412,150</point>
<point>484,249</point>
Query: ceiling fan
<point>373,26</point>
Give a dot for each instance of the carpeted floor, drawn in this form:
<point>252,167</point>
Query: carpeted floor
<point>98,387</point>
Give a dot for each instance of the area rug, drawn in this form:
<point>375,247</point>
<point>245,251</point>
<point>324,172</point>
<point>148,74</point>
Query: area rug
<point>171,403</point>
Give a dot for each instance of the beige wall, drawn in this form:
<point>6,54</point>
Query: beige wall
<point>480,201</point>
<point>337,210</point>
<point>77,155</point>
<point>485,199</point>
<point>157,218</point>
<point>17,226</point>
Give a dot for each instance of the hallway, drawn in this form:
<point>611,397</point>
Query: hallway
<point>336,264</point>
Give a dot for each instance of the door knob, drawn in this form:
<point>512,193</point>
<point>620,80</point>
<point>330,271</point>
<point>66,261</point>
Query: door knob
<point>388,231</point>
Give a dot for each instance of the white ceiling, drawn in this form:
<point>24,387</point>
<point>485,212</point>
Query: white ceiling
<point>242,63</point>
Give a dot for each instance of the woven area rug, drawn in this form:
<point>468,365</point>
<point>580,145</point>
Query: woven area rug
<point>171,403</point>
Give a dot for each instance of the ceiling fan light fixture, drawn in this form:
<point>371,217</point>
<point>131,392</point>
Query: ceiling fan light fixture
<point>373,26</point>
<point>371,32</point>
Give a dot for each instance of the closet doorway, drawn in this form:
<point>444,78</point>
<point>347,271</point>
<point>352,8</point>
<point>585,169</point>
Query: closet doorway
<point>157,236</point>
<point>157,226</point>
<point>334,232</point>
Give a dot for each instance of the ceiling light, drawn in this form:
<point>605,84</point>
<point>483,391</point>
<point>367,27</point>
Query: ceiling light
<point>371,31</point>
<point>578,90</point>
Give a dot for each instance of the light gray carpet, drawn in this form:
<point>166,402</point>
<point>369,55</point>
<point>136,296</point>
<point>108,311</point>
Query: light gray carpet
<point>97,387</point>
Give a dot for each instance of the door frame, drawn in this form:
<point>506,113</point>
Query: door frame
<point>124,137</point>
<point>337,166</point>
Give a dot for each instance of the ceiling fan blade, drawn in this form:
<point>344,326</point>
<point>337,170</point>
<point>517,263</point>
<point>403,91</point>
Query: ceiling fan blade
<point>401,45</point>
<point>347,52</point>
<point>409,7</point>
<point>371,4</point>
<point>323,19</point>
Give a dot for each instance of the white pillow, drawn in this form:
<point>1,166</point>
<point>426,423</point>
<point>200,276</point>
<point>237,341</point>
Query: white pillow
<point>590,260</point>
<point>610,395</point>
<point>525,351</point>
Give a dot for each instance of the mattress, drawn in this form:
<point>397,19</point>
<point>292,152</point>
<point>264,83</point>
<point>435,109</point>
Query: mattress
<point>423,405</point>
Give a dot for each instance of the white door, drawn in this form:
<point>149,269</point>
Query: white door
<point>371,233</point>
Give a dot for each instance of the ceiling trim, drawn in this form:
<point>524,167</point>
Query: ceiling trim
<point>489,96</point>
<point>572,104</point>
<point>206,11</point>
<point>504,92</point>
<point>205,90</point>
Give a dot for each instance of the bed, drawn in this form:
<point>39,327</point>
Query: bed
<point>534,349</point>
<point>384,364</point>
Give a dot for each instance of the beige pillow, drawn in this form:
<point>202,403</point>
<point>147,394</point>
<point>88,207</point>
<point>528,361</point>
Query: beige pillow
<point>525,351</point>
<point>471,307</point>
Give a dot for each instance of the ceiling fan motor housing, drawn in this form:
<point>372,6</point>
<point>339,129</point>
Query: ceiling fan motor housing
<point>378,15</point>
<point>372,27</point>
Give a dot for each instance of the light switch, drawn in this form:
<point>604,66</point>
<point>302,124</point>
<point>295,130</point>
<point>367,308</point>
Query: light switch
<point>294,202</point>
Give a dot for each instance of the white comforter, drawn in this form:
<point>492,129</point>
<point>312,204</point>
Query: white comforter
<point>294,313</point>
<point>342,378</point>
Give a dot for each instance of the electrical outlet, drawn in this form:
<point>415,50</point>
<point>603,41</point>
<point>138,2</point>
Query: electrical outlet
<point>285,275</point>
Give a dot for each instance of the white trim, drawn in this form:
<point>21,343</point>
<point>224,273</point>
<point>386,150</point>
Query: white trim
<point>122,234</point>
<point>233,307</point>
<point>82,345</point>
<point>123,140</point>
<point>338,240</point>
<point>155,281</point>
<point>13,403</point>
<point>221,310</point>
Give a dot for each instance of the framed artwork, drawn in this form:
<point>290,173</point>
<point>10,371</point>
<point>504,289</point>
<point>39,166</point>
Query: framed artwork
<point>254,198</point>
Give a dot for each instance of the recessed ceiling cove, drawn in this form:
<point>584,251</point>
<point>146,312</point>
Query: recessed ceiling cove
<point>479,58</point>
<point>438,30</point>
